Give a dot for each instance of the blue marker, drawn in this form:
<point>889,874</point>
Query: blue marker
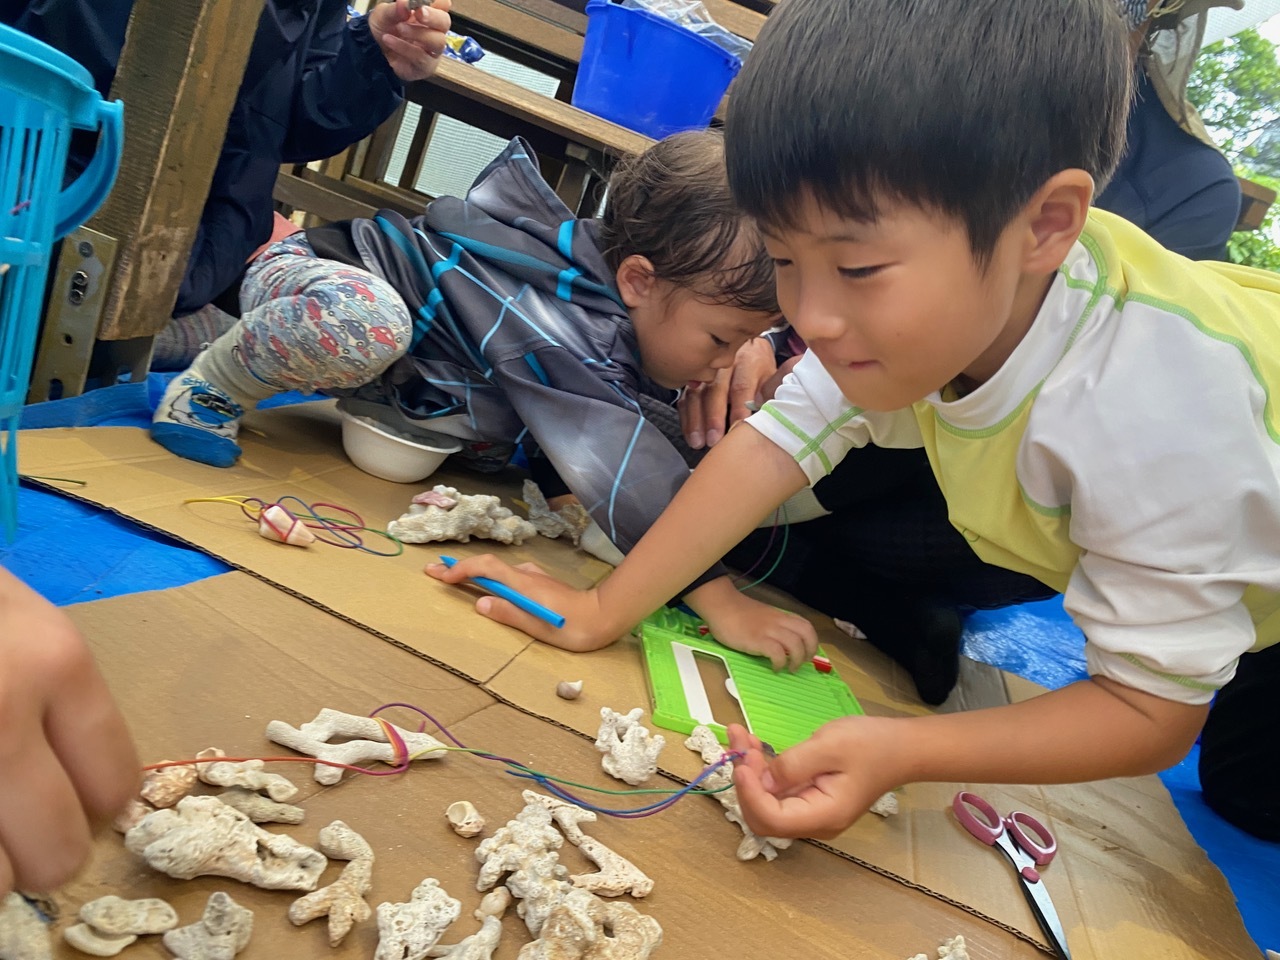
<point>514,596</point>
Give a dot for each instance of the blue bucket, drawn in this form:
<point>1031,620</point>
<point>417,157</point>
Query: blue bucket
<point>43,95</point>
<point>649,73</point>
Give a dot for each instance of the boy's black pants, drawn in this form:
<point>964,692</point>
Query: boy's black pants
<point>1240,747</point>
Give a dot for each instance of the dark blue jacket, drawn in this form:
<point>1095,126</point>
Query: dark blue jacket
<point>314,84</point>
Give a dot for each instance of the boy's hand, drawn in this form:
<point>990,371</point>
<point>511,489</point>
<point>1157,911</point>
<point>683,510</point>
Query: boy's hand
<point>66,759</point>
<point>741,623</point>
<point>584,628</point>
<point>815,789</point>
<point>787,640</point>
<point>411,40</point>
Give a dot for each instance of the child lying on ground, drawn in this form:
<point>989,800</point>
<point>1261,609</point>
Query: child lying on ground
<point>501,319</point>
<point>1097,410</point>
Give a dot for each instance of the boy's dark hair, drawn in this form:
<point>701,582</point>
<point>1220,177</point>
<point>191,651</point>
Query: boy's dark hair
<point>672,205</point>
<point>964,106</point>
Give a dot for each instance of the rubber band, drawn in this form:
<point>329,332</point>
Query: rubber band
<point>334,531</point>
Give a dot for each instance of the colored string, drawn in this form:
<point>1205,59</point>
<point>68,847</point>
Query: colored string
<point>552,784</point>
<point>345,531</point>
<point>782,552</point>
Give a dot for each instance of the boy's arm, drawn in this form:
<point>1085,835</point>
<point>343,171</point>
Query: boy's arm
<point>1089,730</point>
<point>738,483</point>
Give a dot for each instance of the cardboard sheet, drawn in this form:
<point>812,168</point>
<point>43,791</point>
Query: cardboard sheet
<point>211,663</point>
<point>1129,880</point>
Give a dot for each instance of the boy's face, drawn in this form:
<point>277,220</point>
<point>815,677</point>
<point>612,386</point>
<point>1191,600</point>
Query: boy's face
<point>684,340</point>
<point>897,309</point>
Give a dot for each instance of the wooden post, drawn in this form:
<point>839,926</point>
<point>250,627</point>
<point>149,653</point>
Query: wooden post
<point>181,68</point>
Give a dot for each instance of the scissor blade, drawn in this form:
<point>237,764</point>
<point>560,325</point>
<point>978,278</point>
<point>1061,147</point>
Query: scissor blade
<point>1044,910</point>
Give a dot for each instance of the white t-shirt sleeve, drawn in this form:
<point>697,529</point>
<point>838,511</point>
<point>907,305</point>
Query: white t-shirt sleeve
<point>812,421</point>
<point>1175,504</point>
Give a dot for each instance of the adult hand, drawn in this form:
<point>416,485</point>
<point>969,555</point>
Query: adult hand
<point>707,410</point>
<point>582,629</point>
<point>412,40</point>
<point>771,385</point>
<point>818,787</point>
<point>66,758</point>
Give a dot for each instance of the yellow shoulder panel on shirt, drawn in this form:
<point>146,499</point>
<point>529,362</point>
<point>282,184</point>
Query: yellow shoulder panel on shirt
<point>1224,301</point>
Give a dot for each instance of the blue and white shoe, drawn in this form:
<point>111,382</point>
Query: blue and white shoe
<point>197,421</point>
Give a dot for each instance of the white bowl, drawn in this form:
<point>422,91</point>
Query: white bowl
<point>376,449</point>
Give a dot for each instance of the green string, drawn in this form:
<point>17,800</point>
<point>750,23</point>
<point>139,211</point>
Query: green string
<point>585,786</point>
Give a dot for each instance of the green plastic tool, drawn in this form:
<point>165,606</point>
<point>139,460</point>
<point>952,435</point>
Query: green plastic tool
<point>780,708</point>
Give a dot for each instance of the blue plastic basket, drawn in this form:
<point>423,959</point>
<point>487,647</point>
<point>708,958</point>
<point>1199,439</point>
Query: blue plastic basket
<point>649,73</point>
<point>43,94</point>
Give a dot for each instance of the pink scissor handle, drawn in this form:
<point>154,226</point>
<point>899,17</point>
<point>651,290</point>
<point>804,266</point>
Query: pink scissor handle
<point>989,830</point>
<point>1032,836</point>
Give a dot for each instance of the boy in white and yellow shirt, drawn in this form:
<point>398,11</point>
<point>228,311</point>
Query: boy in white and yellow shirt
<point>1098,411</point>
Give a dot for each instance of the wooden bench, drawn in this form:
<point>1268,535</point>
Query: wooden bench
<point>1255,201</point>
<point>576,148</point>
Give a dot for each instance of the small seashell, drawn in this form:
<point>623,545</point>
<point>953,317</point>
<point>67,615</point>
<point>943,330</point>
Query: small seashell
<point>434,498</point>
<point>167,785</point>
<point>131,815</point>
<point>569,689</point>
<point>277,523</point>
<point>464,818</point>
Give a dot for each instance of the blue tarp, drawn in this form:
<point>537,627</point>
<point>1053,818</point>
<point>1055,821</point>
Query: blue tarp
<point>71,553</point>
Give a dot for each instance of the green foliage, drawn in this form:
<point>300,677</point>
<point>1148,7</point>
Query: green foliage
<point>1236,87</point>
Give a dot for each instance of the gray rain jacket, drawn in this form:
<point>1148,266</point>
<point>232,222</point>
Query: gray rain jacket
<point>520,334</point>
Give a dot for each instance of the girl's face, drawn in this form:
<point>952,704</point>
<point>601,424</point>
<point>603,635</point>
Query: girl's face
<point>683,338</point>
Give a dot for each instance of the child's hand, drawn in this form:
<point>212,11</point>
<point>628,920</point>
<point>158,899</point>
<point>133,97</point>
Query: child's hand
<point>741,623</point>
<point>411,39</point>
<point>815,789</point>
<point>584,624</point>
<point>66,760</point>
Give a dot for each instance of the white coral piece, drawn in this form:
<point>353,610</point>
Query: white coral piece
<point>408,931</point>
<point>479,946</point>
<point>886,806</point>
<point>166,786</point>
<point>953,949</point>
<point>617,875</point>
<point>526,850</point>
<point>88,940</point>
<point>23,935</point>
<point>566,815</point>
<point>480,516</point>
<point>220,933</point>
<point>704,742</point>
<point>248,774</point>
<point>630,751</point>
<point>365,738</point>
<point>261,809</point>
<point>202,836</point>
<point>584,927</point>
<point>529,835</point>
<point>343,900</point>
<point>569,521</point>
<point>119,917</point>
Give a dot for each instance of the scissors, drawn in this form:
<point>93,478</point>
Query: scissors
<point>1028,844</point>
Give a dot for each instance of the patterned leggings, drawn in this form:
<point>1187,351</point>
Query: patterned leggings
<point>310,324</point>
